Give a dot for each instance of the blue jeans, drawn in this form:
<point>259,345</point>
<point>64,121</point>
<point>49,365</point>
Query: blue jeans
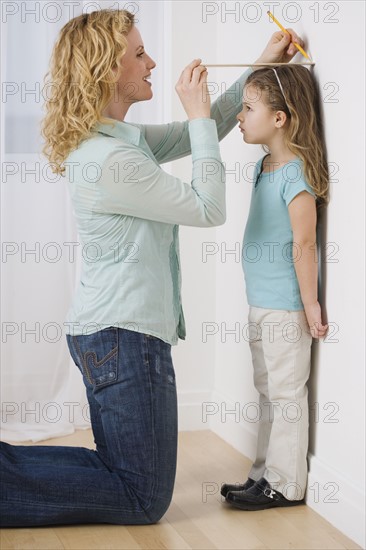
<point>129,478</point>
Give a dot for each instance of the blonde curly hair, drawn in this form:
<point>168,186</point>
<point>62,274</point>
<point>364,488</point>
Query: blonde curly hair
<point>83,69</point>
<point>303,130</point>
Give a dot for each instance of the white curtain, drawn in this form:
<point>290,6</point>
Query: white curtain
<point>42,393</point>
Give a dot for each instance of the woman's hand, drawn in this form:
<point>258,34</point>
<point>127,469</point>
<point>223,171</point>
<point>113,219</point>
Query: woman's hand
<point>280,48</point>
<point>314,318</point>
<point>192,90</point>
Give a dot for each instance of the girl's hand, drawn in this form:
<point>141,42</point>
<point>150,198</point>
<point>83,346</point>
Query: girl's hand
<point>280,48</point>
<point>314,318</point>
<point>193,92</point>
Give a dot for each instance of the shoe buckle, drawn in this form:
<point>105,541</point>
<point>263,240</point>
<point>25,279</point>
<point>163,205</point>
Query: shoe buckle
<point>270,493</point>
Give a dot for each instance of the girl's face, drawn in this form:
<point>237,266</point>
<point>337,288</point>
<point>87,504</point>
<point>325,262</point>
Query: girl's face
<point>257,122</point>
<point>136,67</point>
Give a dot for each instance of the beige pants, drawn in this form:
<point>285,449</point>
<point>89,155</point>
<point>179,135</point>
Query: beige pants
<point>280,343</point>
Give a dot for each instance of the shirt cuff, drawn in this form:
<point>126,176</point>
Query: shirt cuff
<point>204,139</point>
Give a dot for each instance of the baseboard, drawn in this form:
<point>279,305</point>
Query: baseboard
<point>226,420</point>
<point>337,500</point>
<point>190,410</point>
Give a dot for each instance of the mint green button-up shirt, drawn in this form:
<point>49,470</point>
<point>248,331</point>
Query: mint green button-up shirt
<point>128,210</point>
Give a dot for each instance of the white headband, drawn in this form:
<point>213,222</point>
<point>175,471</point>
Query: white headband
<point>280,85</point>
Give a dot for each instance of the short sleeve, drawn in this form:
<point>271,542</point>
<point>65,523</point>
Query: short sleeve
<point>293,182</point>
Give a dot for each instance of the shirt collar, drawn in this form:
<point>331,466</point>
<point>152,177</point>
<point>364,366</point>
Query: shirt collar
<point>120,130</point>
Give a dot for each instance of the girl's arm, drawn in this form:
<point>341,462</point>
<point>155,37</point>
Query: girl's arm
<point>302,212</point>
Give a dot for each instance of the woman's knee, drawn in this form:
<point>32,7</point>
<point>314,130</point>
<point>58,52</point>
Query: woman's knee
<point>158,508</point>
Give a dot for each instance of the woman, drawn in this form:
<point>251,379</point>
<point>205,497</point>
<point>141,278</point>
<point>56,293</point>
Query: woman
<point>127,310</point>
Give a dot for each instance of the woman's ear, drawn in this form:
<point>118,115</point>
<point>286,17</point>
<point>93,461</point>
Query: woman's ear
<point>114,72</point>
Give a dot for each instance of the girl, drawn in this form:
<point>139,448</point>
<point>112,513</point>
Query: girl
<point>281,111</point>
<point>127,310</point>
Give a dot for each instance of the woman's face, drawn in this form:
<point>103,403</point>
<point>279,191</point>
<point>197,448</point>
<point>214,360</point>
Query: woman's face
<point>257,121</point>
<point>136,67</point>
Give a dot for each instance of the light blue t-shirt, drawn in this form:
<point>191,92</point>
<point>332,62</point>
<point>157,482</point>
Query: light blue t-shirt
<point>267,252</point>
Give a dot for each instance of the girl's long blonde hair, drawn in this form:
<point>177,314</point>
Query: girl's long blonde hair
<point>83,69</point>
<point>303,131</point>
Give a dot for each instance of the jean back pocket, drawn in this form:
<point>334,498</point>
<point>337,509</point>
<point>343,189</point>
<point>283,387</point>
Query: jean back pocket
<point>96,355</point>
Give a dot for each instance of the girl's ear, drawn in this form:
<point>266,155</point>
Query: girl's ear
<point>280,119</point>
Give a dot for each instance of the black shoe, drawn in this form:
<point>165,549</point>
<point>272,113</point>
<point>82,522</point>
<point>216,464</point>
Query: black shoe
<point>237,487</point>
<point>259,497</point>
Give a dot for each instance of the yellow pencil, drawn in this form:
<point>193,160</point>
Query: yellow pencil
<point>284,30</point>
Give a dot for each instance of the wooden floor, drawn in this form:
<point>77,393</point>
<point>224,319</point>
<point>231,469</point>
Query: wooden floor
<point>197,518</point>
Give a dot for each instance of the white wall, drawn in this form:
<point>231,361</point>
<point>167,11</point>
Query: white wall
<point>194,361</point>
<point>214,291</point>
